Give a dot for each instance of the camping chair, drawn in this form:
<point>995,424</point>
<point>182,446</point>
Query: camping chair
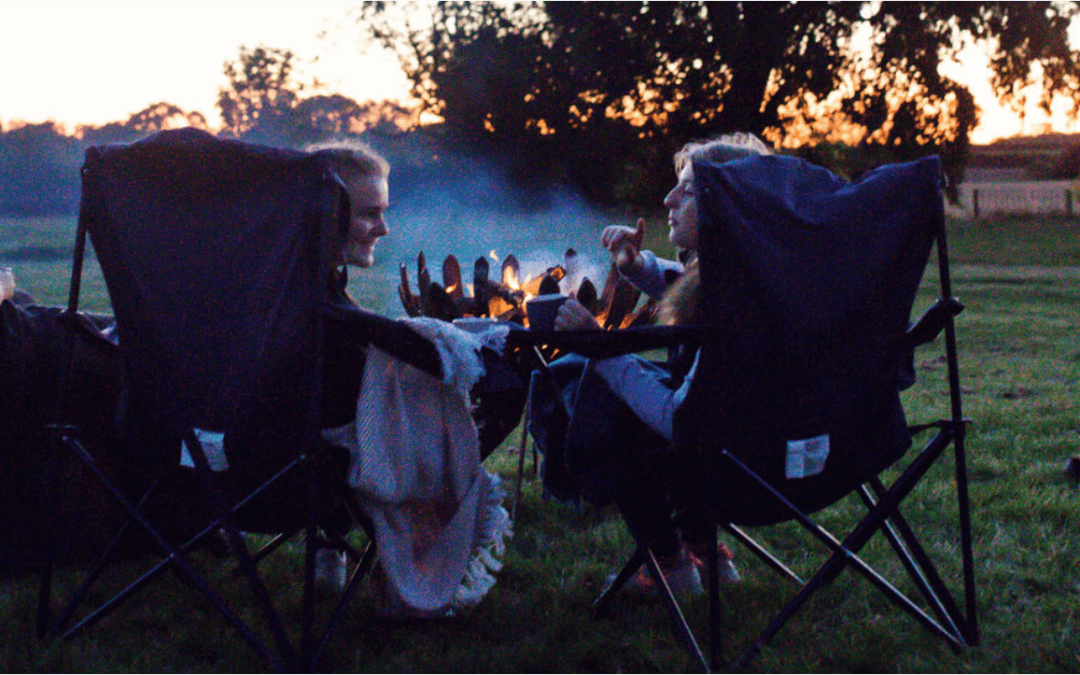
<point>807,286</point>
<point>216,255</point>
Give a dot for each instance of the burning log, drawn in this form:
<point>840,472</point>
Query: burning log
<point>624,298</point>
<point>441,305</point>
<point>586,295</point>
<point>423,282</point>
<point>505,298</point>
<point>511,272</point>
<point>502,299</point>
<point>570,258</point>
<point>548,285</point>
<point>451,276</point>
<point>645,316</point>
<point>609,286</point>
<point>410,302</point>
<point>480,287</point>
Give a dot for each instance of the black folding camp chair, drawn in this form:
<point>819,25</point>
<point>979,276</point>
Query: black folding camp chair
<point>807,285</point>
<point>217,256</point>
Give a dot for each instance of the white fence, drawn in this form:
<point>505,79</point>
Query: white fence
<point>1061,197</point>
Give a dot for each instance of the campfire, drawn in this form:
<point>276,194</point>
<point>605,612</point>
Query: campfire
<point>503,295</point>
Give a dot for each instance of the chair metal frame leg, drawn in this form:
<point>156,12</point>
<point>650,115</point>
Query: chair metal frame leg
<point>323,190</point>
<point>845,554</point>
<point>644,556</point>
<point>52,466</point>
<point>176,559</point>
<point>96,570</point>
<point>363,567</point>
<point>883,515</point>
<point>952,359</point>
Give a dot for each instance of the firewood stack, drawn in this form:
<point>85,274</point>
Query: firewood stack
<point>504,298</point>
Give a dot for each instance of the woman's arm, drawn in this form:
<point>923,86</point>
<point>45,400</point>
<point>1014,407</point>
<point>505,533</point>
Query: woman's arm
<point>653,403</point>
<point>655,274</point>
<point>646,272</point>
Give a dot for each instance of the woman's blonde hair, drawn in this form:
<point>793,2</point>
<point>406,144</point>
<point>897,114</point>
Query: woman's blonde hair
<point>680,303</point>
<point>352,156</point>
<point>724,148</point>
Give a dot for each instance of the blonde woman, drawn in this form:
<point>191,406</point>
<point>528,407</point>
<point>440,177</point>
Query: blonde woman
<point>652,399</point>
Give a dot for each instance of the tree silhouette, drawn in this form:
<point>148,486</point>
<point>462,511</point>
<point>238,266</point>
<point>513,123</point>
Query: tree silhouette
<point>165,115</point>
<point>592,80</point>
<point>260,89</point>
<point>262,104</point>
<point>337,115</point>
<point>39,163</point>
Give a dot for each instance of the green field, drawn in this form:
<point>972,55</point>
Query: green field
<point>1019,339</point>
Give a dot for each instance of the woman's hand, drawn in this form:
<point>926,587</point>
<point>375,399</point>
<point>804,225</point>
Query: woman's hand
<point>573,316</point>
<point>624,244</point>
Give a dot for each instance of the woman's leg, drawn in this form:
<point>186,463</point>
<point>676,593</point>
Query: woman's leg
<point>647,510</point>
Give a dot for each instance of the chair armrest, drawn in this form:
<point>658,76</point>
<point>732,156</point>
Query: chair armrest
<point>389,335</point>
<point>932,322</point>
<point>598,344</point>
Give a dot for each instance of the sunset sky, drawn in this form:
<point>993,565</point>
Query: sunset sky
<point>98,61</point>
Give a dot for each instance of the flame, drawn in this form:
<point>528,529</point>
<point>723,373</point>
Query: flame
<point>493,256</point>
<point>510,279</point>
<point>451,288</point>
<point>532,286</point>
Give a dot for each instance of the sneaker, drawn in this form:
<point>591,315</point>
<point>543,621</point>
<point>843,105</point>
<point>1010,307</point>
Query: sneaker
<point>681,574</point>
<point>729,574</point>
<point>331,569</point>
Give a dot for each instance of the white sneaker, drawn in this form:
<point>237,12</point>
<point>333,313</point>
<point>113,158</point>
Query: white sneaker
<point>331,569</point>
<point>729,574</point>
<point>681,574</point>
<point>684,580</point>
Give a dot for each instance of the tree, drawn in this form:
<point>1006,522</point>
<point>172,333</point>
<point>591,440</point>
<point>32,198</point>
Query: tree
<point>260,89</point>
<point>592,80</point>
<point>337,115</point>
<point>40,166</point>
<point>262,103</point>
<point>40,162</point>
<point>164,115</point>
<point>153,118</point>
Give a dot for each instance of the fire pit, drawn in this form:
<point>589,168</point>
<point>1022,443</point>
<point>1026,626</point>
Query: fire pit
<point>504,297</point>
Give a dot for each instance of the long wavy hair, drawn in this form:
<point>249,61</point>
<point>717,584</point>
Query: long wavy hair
<point>680,303</point>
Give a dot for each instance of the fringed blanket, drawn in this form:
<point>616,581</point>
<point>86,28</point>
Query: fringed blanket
<point>416,470</point>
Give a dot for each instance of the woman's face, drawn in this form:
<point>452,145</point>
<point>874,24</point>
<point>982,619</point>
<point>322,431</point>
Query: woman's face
<point>370,197</point>
<point>681,203</point>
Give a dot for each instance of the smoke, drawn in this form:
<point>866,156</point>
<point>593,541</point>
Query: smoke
<point>471,209</point>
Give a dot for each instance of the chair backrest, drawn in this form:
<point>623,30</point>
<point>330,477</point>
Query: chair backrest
<point>807,282</point>
<point>216,257</point>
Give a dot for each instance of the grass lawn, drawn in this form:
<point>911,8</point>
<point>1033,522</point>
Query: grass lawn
<point>1019,339</point>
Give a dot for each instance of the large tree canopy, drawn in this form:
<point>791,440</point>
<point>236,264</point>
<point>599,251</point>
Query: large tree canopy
<point>591,80</point>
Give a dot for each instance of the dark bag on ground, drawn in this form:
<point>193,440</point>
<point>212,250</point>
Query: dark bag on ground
<point>33,348</point>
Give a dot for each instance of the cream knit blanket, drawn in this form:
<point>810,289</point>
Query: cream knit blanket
<point>416,471</point>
